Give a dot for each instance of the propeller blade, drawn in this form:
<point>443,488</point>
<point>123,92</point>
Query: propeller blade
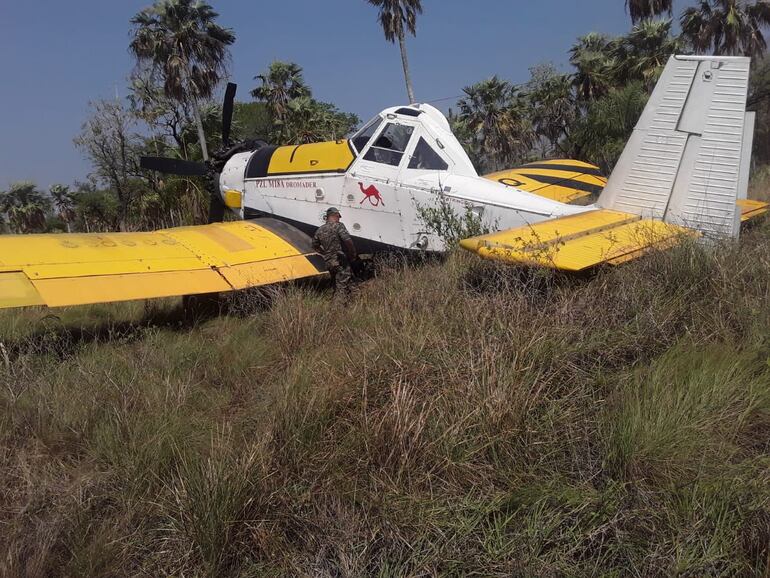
<point>227,112</point>
<point>173,166</point>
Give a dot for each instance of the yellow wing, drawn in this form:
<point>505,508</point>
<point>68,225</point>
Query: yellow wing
<point>76,269</point>
<point>563,180</point>
<point>578,242</point>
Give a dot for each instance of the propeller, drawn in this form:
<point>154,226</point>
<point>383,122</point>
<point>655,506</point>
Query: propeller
<point>212,167</point>
<point>227,113</point>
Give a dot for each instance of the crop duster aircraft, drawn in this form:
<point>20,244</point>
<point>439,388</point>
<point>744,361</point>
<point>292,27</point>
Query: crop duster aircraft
<point>684,171</point>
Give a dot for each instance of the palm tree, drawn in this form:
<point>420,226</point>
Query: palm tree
<point>182,45</point>
<point>282,83</point>
<point>643,9</point>
<point>642,53</point>
<point>552,105</point>
<point>495,116</point>
<point>24,207</point>
<point>601,135</point>
<point>728,27</point>
<point>592,56</point>
<point>396,18</point>
<point>64,204</point>
<point>312,121</point>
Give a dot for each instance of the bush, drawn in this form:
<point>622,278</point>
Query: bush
<point>452,222</point>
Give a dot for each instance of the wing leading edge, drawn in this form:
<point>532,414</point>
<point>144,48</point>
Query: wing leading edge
<point>78,269</point>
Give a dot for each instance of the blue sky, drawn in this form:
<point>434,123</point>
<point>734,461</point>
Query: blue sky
<point>56,56</point>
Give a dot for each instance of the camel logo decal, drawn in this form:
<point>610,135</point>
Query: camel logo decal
<point>372,194</point>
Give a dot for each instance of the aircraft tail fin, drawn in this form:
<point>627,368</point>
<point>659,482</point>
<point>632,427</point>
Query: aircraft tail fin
<point>686,162</point>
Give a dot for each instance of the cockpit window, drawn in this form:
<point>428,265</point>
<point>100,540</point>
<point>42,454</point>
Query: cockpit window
<point>425,158</point>
<point>362,137</point>
<point>390,145</point>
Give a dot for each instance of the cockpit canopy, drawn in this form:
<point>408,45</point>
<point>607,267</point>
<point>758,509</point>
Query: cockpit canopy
<point>419,131</point>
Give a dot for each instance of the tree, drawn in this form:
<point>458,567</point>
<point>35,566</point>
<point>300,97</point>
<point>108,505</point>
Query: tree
<point>396,18</point>
<point>309,120</point>
<point>24,207</point>
<point>759,101</point>
<point>165,116</point>
<point>643,53</point>
<point>601,135</point>
<point>96,210</point>
<point>63,204</point>
<point>181,44</point>
<point>295,116</point>
<point>552,105</point>
<point>251,119</point>
<point>727,27</point>
<point>282,83</point>
<point>495,116</point>
<point>465,137</point>
<point>108,140</point>
<point>644,9</point>
<point>593,58</point>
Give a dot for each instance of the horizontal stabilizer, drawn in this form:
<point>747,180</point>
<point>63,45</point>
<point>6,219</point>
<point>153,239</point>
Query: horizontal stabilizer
<point>578,242</point>
<point>77,269</point>
<point>751,209</point>
<point>563,180</point>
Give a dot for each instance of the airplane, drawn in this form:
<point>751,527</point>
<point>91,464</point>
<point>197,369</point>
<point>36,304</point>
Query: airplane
<point>684,172</point>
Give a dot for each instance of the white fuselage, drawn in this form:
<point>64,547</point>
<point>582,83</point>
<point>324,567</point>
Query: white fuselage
<point>409,161</point>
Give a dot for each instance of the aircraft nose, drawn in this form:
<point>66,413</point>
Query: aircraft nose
<point>231,181</point>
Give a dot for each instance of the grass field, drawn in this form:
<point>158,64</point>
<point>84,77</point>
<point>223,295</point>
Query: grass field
<point>457,419</point>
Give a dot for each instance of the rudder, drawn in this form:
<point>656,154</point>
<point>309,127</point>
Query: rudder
<point>683,161</point>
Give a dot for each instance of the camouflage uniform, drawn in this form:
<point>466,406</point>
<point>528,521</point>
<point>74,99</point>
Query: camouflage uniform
<point>330,241</point>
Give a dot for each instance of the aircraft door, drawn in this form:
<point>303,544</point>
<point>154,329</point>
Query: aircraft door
<point>422,176</point>
<point>371,190</point>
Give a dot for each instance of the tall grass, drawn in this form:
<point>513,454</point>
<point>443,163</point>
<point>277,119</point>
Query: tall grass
<point>457,418</point>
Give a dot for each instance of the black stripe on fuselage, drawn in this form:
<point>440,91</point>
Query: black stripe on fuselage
<point>259,162</point>
<point>562,182</point>
<point>595,171</point>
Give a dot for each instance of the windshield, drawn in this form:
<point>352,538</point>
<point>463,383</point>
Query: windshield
<point>390,145</point>
<point>362,137</point>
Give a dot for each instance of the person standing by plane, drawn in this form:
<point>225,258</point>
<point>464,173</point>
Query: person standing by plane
<point>333,242</point>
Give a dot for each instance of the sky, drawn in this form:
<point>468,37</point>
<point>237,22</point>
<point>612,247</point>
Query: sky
<point>57,56</point>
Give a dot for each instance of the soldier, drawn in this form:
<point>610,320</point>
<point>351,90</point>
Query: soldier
<point>332,241</point>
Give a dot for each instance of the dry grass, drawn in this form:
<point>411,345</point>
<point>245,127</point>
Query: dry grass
<point>458,418</point>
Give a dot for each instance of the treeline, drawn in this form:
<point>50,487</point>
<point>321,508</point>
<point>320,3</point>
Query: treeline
<point>181,56</point>
<point>119,195</point>
<point>589,112</point>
